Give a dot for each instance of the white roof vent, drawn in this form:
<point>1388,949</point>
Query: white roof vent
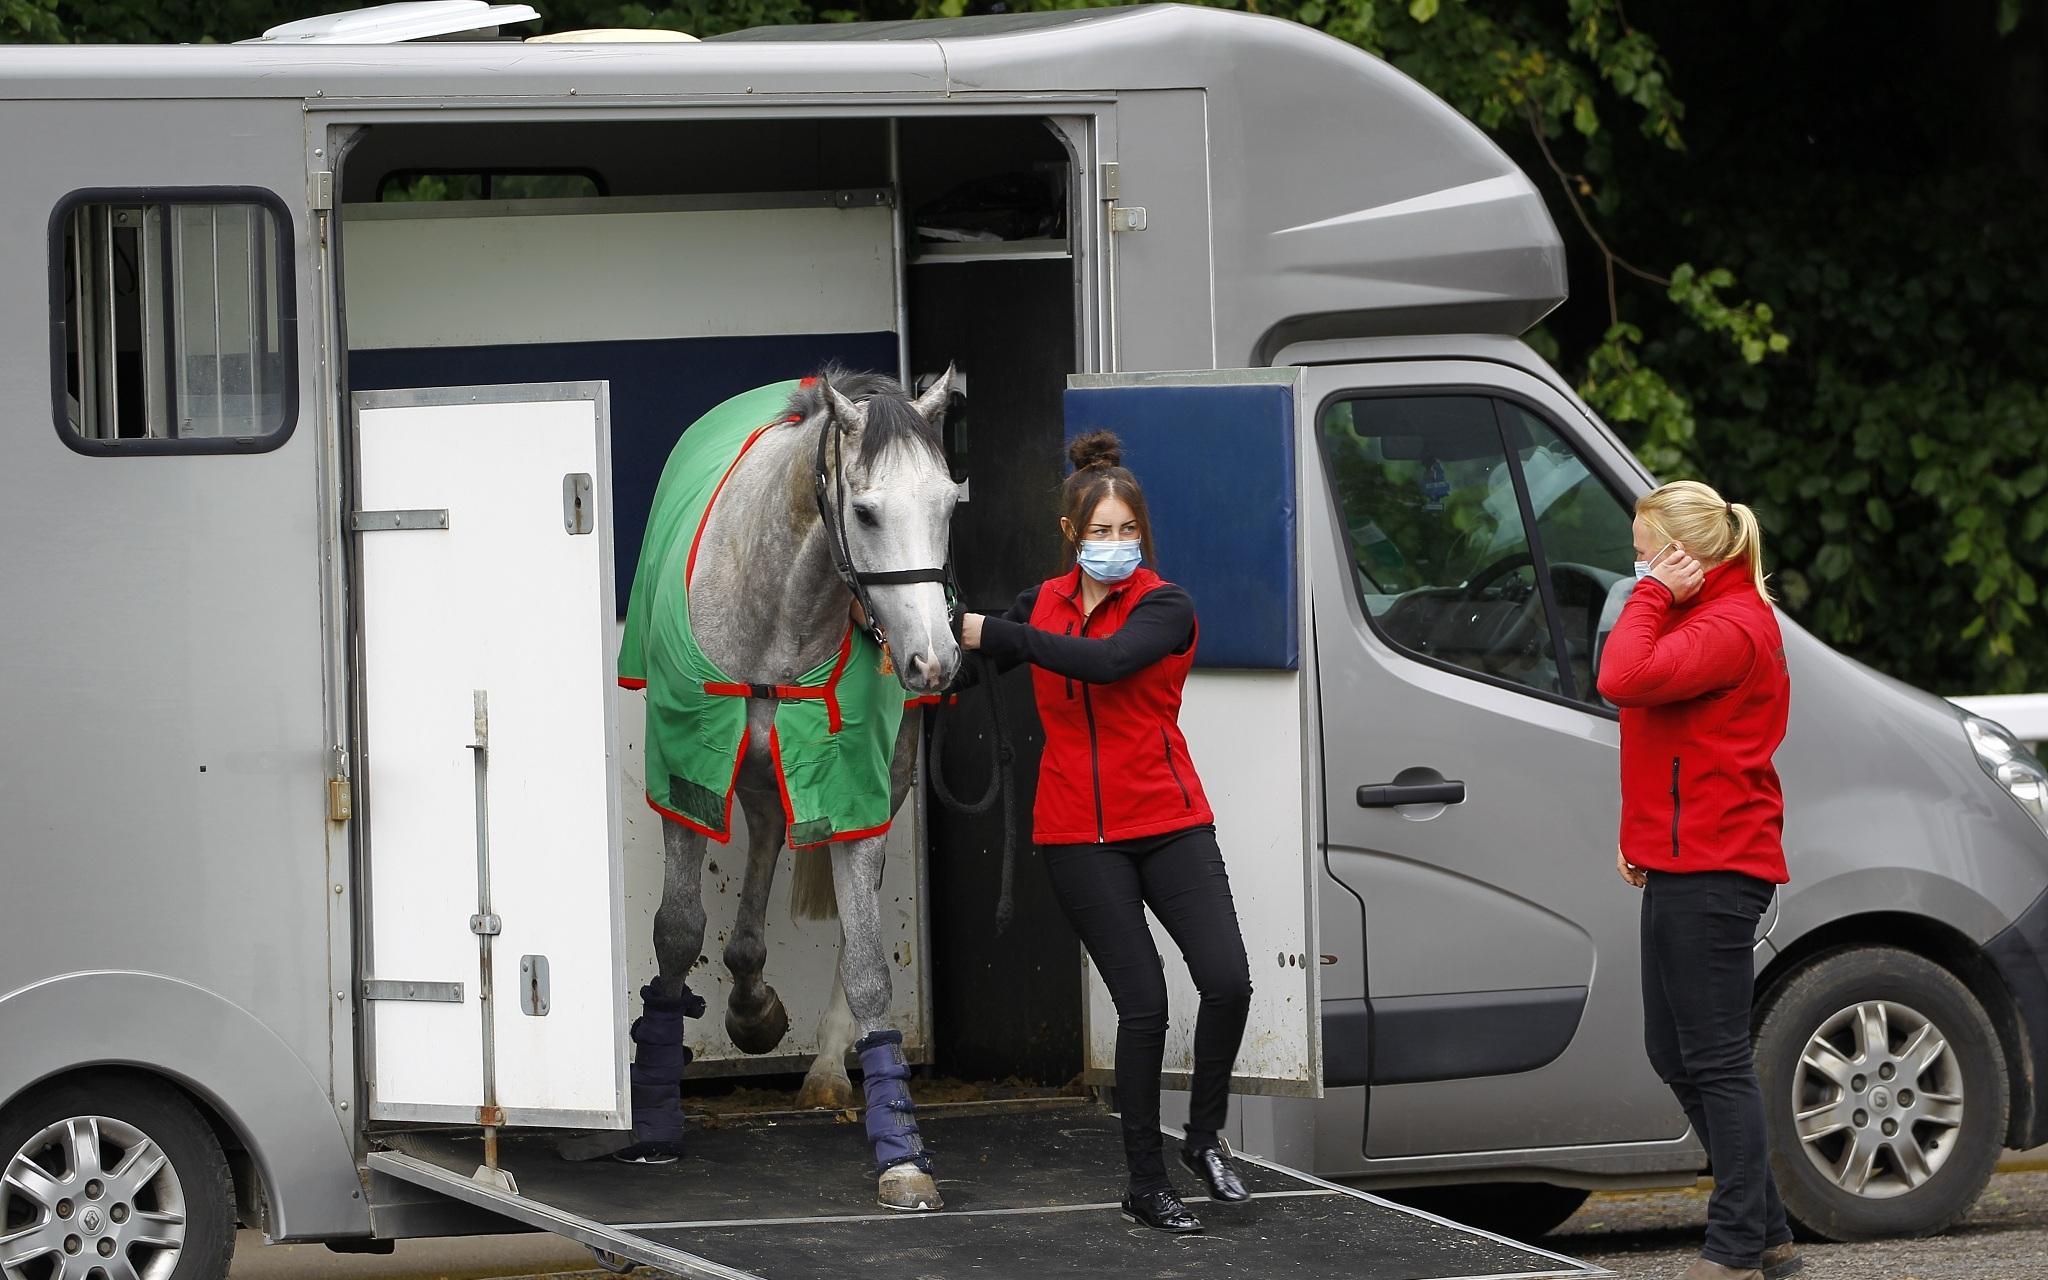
<point>615,35</point>
<point>397,23</point>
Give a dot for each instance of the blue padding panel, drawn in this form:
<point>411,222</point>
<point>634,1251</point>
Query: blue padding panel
<point>1217,463</point>
<point>658,388</point>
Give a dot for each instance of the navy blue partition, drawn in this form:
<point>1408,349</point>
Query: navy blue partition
<point>658,388</point>
<point>1217,459</point>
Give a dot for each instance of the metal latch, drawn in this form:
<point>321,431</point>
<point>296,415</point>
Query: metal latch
<point>577,503</point>
<point>341,805</point>
<point>486,925</point>
<point>320,189</point>
<point>1110,188</point>
<point>533,985</point>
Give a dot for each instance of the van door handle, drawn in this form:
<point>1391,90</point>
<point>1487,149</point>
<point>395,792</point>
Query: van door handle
<point>1388,795</point>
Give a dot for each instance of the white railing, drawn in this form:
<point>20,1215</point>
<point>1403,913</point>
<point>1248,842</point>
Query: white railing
<point>2026,714</point>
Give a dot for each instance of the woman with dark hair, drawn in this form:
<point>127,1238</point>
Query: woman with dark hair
<point>1121,817</point>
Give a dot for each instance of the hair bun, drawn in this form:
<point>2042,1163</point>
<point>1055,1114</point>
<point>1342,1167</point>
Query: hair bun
<point>1098,450</point>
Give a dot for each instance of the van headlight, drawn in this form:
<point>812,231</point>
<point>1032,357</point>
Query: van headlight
<point>2010,765</point>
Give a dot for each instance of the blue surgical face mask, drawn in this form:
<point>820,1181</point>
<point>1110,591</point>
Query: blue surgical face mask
<point>1643,567</point>
<point>1111,561</point>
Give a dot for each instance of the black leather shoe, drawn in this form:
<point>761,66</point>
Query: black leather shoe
<point>1162,1211</point>
<point>1214,1168</point>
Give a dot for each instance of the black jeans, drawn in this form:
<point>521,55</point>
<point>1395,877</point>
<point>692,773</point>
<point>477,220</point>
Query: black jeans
<point>1104,890</point>
<point>1698,984</point>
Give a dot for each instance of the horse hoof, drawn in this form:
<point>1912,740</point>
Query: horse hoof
<point>760,1031</point>
<point>907,1189</point>
<point>827,1092</point>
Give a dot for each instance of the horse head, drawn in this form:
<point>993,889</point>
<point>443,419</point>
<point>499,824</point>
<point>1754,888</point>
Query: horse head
<point>887,497</point>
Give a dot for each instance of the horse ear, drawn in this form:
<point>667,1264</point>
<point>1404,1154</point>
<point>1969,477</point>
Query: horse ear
<point>848,414</point>
<point>931,406</point>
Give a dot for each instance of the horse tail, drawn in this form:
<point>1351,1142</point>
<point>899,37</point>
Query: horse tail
<point>811,896</point>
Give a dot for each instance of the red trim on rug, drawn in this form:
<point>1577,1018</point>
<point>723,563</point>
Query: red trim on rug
<point>690,568</point>
<point>832,716</point>
<point>692,824</point>
<point>719,689</point>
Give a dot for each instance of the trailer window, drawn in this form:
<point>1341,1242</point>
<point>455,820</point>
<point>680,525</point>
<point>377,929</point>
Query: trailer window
<point>490,184</point>
<point>177,324</point>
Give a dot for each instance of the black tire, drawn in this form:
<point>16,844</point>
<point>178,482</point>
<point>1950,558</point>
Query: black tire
<point>1517,1210</point>
<point>195,1171</point>
<point>1897,1201</point>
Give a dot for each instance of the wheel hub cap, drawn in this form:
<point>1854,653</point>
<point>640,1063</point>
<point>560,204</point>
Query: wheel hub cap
<point>1877,1099</point>
<point>90,1198</point>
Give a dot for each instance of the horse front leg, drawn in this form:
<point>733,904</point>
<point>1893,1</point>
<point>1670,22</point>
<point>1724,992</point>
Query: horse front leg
<point>754,1016</point>
<point>826,1084</point>
<point>902,1168</point>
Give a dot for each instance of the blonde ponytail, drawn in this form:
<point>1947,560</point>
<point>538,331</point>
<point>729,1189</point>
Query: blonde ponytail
<point>1749,544</point>
<point>1713,529</point>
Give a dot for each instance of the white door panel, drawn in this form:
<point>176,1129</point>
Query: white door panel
<point>488,667</point>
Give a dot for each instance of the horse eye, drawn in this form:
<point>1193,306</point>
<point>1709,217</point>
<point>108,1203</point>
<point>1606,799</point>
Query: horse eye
<point>866,515</point>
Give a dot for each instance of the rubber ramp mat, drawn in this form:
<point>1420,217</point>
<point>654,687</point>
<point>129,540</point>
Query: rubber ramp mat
<point>1031,1191</point>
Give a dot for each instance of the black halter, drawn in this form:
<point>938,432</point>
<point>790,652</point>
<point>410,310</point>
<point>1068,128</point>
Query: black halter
<point>832,513</point>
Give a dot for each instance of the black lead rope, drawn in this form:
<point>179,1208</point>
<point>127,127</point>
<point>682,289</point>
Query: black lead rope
<point>1001,779</point>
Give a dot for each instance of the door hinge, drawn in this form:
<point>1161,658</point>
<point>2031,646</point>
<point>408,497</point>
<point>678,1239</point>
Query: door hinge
<point>320,189</point>
<point>1111,182</point>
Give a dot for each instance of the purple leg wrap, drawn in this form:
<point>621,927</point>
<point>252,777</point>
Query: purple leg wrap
<point>659,1059</point>
<point>891,1115</point>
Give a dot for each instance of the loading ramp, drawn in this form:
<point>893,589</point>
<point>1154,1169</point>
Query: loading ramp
<point>1031,1190</point>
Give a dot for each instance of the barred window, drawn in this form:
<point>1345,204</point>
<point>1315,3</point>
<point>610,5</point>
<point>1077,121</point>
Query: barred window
<point>178,328</point>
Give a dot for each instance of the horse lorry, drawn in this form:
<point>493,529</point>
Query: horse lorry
<point>344,368</point>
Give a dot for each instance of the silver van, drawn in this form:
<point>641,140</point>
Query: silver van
<point>303,326</point>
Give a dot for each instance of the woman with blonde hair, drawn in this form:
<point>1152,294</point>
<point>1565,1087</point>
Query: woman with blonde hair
<point>1697,665</point>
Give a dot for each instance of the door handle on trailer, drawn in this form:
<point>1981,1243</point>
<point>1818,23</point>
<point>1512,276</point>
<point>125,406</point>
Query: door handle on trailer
<point>1388,795</point>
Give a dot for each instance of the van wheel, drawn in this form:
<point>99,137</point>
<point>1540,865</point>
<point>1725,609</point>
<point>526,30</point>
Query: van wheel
<point>1517,1210</point>
<point>1885,1092</point>
<point>112,1179</point>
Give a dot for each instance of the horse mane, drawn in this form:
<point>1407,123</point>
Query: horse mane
<point>891,418</point>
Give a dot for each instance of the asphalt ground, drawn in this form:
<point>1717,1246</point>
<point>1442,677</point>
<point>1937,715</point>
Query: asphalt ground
<point>1656,1235</point>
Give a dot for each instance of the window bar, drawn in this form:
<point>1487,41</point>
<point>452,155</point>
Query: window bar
<point>85,333</point>
<point>220,425</point>
<point>181,330</point>
<point>252,266</point>
<point>111,399</point>
<point>145,277</point>
<point>167,253</point>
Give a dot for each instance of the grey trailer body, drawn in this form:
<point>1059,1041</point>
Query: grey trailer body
<point>187,875</point>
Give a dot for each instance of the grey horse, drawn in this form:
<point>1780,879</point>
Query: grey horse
<point>768,602</point>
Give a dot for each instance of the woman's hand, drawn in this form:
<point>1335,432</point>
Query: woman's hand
<point>1629,870</point>
<point>1679,572</point>
<point>970,631</point>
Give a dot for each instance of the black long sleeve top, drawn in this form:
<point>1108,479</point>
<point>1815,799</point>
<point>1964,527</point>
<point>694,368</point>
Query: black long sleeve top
<point>1161,623</point>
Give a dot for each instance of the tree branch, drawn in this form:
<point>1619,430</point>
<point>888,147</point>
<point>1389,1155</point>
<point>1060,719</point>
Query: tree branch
<point>1567,181</point>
